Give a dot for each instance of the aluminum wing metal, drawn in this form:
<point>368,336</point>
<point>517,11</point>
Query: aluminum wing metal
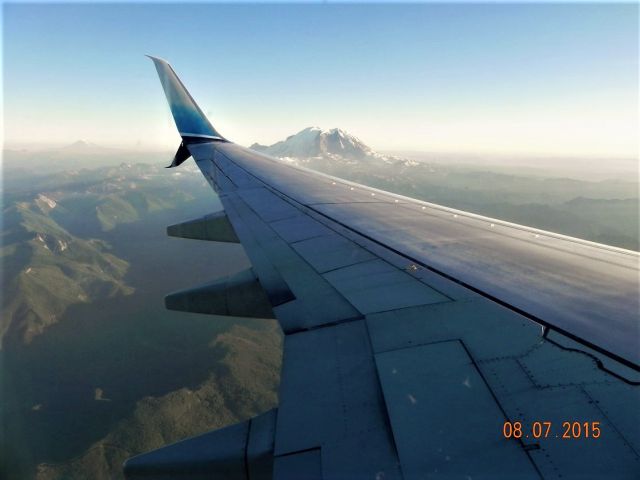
<point>584,289</point>
<point>413,332</point>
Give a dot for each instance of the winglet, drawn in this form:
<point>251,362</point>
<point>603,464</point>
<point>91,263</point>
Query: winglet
<point>190,120</point>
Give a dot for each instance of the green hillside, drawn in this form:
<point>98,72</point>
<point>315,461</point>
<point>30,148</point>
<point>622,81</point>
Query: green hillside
<point>51,256</point>
<point>243,384</point>
<point>46,269</point>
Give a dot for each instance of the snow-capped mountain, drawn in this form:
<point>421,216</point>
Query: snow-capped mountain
<point>313,143</point>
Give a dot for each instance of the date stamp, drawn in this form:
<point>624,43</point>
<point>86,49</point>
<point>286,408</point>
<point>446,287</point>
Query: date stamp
<point>543,429</point>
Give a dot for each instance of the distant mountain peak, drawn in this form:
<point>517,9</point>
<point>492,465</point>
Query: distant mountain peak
<point>83,146</point>
<point>79,144</point>
<point>315,142</point>
<point>334,146</point>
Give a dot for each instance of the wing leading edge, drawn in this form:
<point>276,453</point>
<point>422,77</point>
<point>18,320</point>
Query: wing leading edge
<point>401,358</point>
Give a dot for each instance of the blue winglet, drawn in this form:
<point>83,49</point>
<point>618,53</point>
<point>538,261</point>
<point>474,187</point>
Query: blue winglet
<point>190,120</point>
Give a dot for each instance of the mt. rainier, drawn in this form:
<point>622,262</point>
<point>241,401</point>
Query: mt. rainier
<point>314,144</point>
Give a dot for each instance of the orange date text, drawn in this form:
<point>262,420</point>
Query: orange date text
<point>544,429</point>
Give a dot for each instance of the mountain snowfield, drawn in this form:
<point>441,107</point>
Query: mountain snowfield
<point>334,144</point>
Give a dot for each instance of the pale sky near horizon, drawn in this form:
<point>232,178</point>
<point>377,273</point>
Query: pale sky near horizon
<point>505,78</point>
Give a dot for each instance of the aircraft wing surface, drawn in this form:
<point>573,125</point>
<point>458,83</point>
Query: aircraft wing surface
<point>416,335</point>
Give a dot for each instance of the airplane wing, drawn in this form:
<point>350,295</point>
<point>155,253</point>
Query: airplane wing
<point>420,341</point>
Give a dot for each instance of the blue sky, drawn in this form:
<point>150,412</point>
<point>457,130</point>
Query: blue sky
<point>545,78</point>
